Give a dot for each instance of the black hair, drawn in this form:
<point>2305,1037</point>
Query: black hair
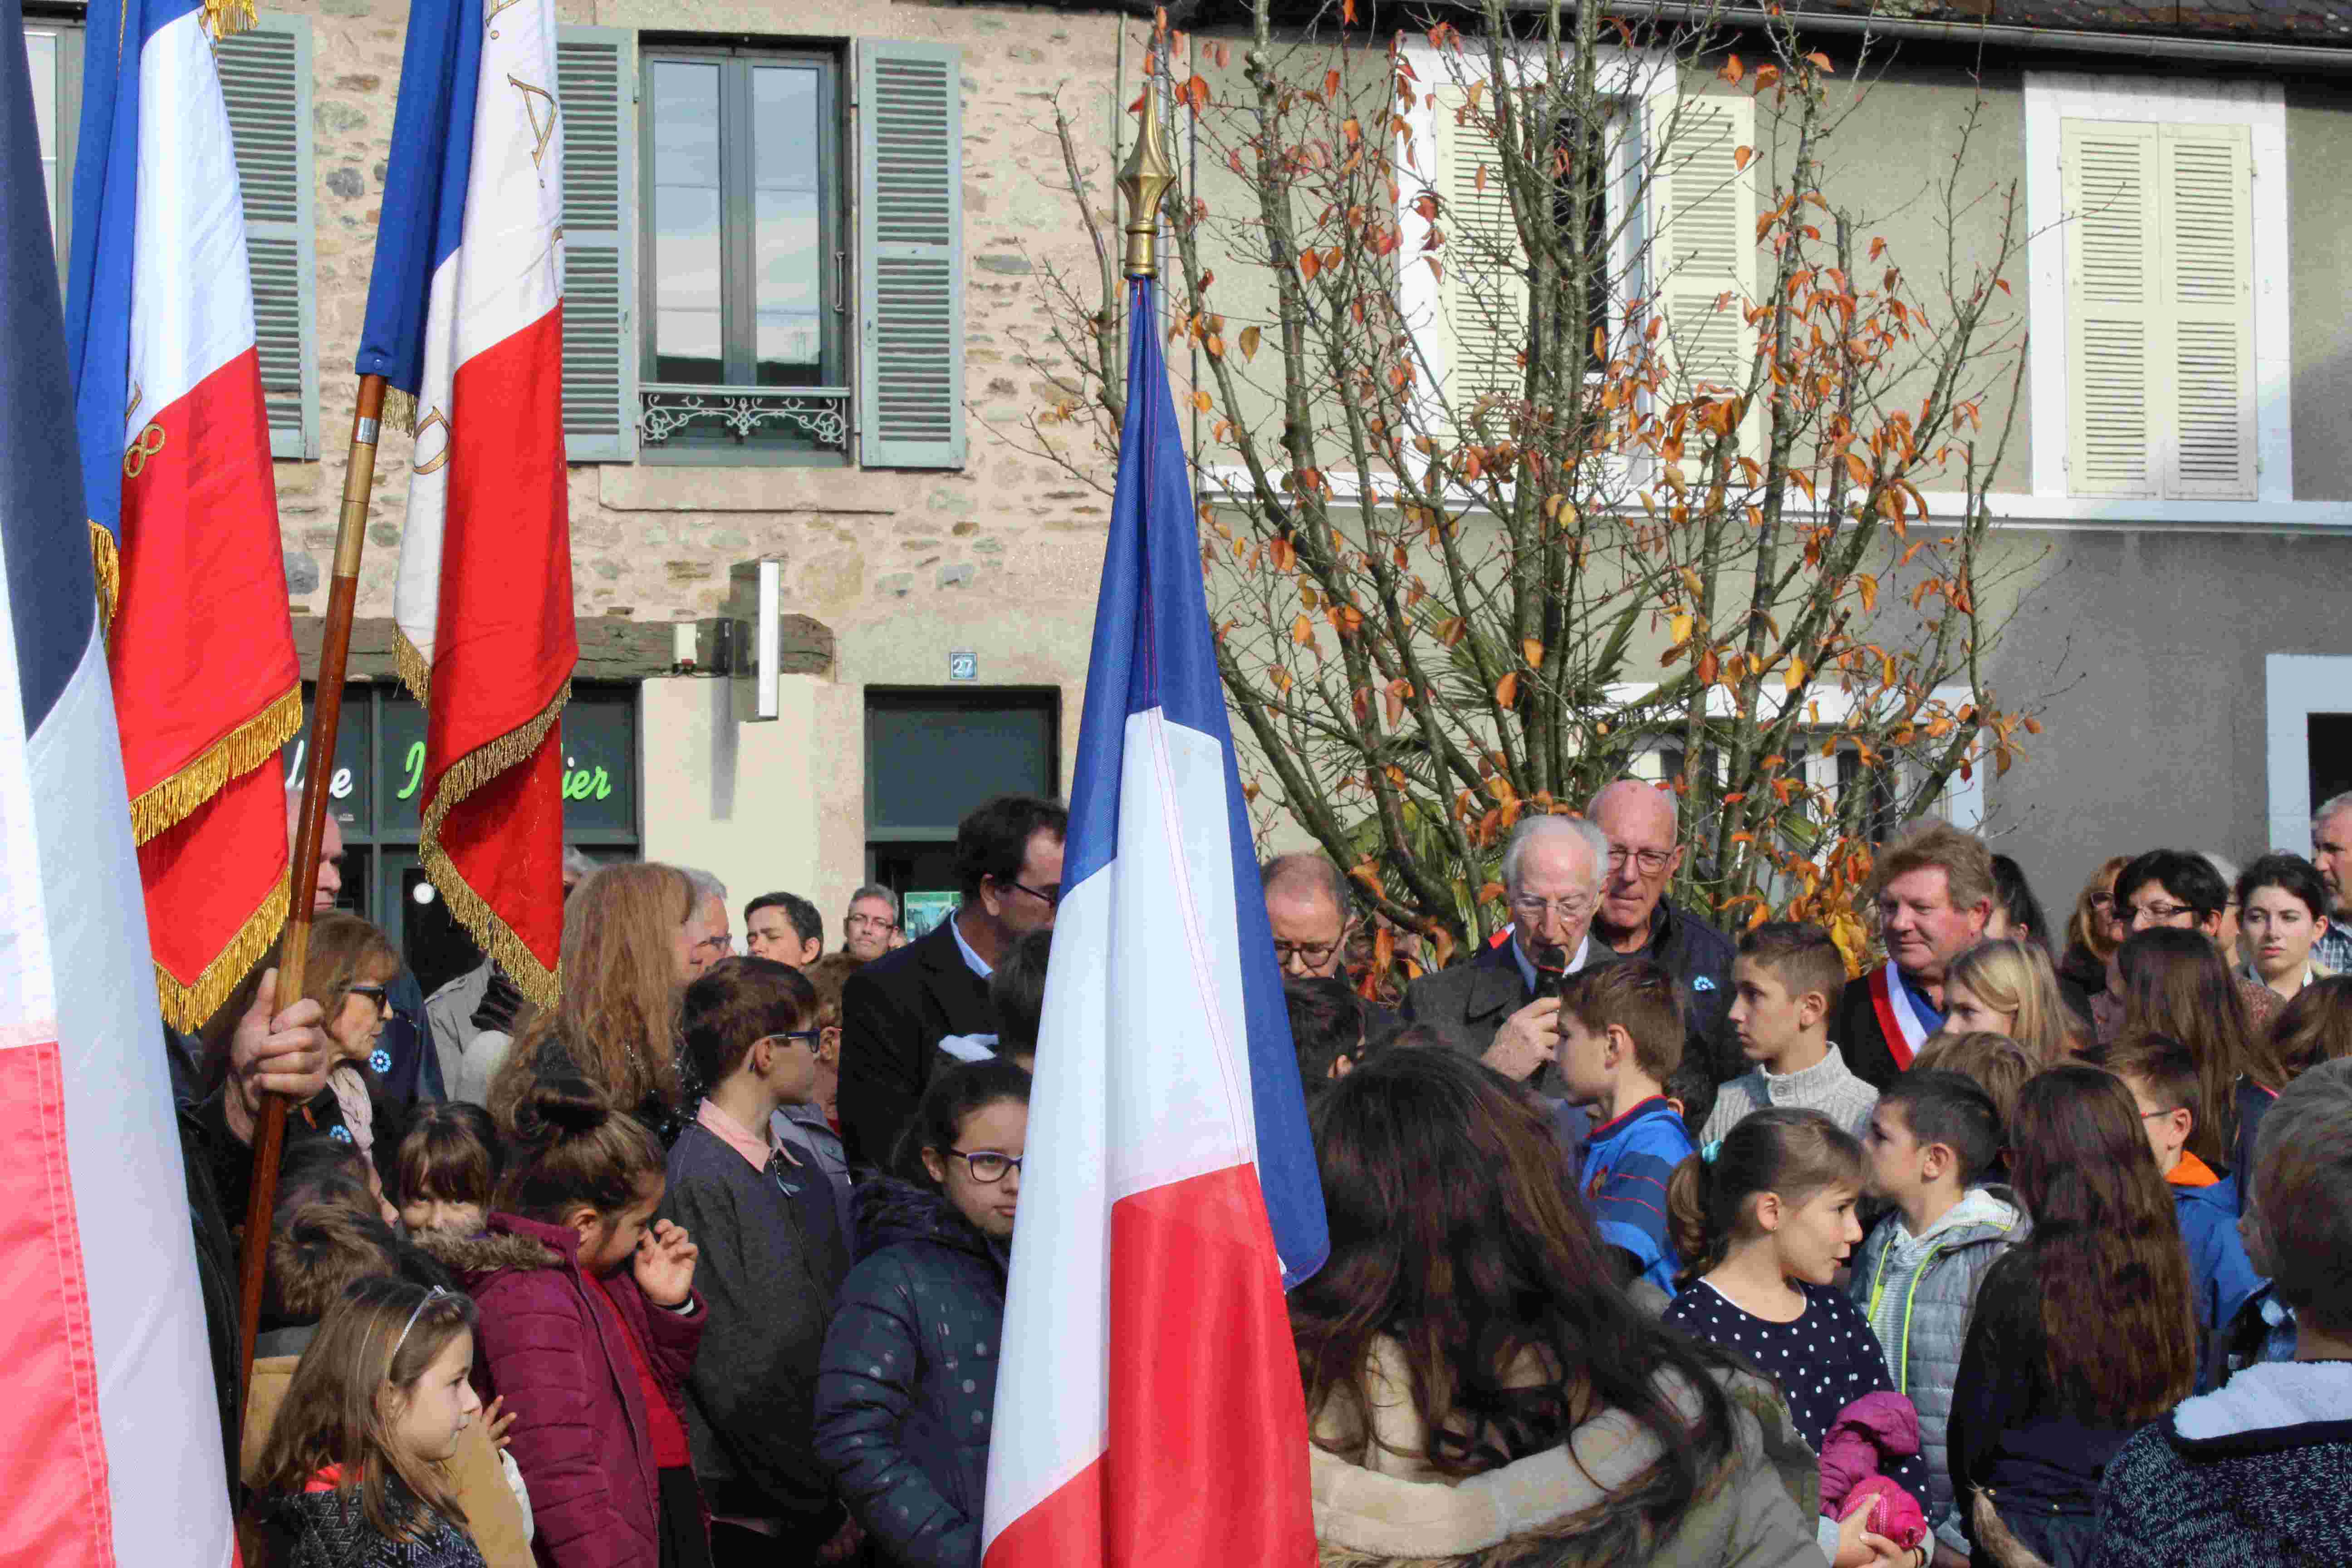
<point>954,1095</point>
<point>1326,1022</point>
<point>1016,991</point>
<point>807,924</point>
<point>1950,1109</point>
<point>2190,878</point>
<point>2291,874</point>
<point>991,841</point>
<point>2015,896</point>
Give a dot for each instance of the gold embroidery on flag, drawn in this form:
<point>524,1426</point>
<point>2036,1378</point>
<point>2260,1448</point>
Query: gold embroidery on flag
<point>151,441</point>
<point>185,1007</point>
<point>491,15</point>
<point>448,438</point>
<point>233,755</point>
<point>108,568</point>
<point>543,129</point>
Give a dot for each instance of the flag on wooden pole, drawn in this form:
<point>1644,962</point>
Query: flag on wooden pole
<point>182,504</point>
<point>464,320</point>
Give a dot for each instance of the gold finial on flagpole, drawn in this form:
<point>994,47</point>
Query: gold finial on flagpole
<point>1144,183</point>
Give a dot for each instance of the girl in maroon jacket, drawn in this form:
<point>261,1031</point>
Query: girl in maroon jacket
<point>589,1327</point>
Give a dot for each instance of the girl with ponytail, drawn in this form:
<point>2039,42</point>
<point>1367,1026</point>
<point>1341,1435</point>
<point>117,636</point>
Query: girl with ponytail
<point>589,1324</point>
<point>1765,1219</point>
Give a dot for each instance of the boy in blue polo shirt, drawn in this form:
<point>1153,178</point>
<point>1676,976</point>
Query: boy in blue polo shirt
<point>1620,1034</point>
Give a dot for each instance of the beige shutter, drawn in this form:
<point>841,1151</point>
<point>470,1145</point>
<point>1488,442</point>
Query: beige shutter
<point>1702,258</point>
<point>1483,297</point>
<point>595,85</point>
<point>2207,285</point>
<point>2114,308</point>
<point>265,77</point>
<point>911,412</point>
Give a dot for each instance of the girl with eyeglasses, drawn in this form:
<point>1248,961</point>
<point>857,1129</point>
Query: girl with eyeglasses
<point>907,1386</point>
<point>353,1474</point>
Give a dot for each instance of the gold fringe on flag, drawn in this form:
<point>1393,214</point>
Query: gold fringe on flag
<point>224,18</point>
<point>400,410</point>
<point>185,1007</point>
<point>415,674</point>
<point>238,752</point>
<point>108,567</point>
<point>468,773</point>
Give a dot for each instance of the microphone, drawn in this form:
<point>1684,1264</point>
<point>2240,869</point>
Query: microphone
<point>1552,959</point>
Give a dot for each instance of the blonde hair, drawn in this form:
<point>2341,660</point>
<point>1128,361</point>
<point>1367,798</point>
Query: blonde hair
<point>618,1018</point>
<point>379,1338</point>
<point>1994,1063</point>
<point>2085,930</point>
<point>1931,843</point>
<point>2015,977</point>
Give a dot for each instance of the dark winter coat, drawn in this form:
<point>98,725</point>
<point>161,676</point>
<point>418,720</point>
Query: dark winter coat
<point>769,1285</point>
<point>2013,1442</point>
<point>327,1529</point>
<point>549,1347</point>
<point>906,1390</point>
<point>2255,1475</point>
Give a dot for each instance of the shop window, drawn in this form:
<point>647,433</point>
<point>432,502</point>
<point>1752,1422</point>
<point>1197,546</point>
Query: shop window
<point>931,757</point>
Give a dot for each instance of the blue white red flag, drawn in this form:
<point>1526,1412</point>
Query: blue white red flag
<point>182,505</point>
<point>1148,1409</point>
<point>109,1430</point>
<point>465,319</point>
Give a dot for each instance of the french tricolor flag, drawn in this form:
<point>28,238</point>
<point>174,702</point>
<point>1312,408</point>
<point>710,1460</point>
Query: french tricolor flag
<point>110,1430</point>
<point>464,318</point>
<point>181,503</point>
<point>1149,1408</point>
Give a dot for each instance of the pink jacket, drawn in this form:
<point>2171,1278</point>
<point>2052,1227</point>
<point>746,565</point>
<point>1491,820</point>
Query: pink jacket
<point>1882,1424</point>
<point>580,1434</point>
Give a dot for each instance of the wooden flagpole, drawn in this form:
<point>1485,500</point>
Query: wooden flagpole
<point>326,720</point>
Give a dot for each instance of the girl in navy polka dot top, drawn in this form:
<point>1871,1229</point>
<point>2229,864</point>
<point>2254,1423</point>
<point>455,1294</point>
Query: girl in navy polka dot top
<point>1765,1225</point>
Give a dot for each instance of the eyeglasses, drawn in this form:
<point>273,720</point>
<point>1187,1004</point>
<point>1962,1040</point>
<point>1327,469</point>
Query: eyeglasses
<point>2102,902</point>
<point>1651,861</point>
<point>1534,909</point>
<point>1051,896</point>
<point>1314,954</point>
<point>2157,911</point>
<point>809,1036</point>
<point>2157,1115</point>
<point>375,993</point>
<point>871,923</point>
<point>987,1166</point>
<point>718,946</point>
<point>430,1296</point>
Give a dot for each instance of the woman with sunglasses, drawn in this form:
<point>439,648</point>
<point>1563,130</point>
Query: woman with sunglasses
<point>906,1389</point>
<point>350,966</point>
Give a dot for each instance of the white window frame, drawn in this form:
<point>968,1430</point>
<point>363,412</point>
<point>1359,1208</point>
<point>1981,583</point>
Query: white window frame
<point>2052,98</point>
<point>2297,686</point>
<point>1633,76</point>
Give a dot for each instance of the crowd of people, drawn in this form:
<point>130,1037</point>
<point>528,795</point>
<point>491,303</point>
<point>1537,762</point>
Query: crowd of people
<point>1649,1244</point>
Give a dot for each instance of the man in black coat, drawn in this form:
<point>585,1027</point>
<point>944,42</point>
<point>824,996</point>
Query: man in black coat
<point>897,1009</point>
<point>1503,1006</point>
<point>1635,921</point>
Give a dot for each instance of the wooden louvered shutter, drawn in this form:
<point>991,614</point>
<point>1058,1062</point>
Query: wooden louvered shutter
<point>2207,289</point>
<point>1483,296</point>
<point>1702,212</point>
<point>596,74</point>
<point>2114,307</point>
<point>265,77</point>
<point>910,255</point>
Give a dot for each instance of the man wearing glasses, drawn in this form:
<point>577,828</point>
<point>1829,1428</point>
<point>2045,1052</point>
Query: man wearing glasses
<point>896,1010</point>
<point>709,932</point>
<point>1312,914</point>
<point>871,922</point>
<point>1636,919</point>
<point>1504,1004</point>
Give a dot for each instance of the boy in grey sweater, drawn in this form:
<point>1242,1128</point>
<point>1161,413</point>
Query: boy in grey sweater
<point>1785,985</point>
<point>772,1258</point>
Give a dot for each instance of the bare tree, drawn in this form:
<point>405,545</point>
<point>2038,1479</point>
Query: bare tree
<point>1560,432</point>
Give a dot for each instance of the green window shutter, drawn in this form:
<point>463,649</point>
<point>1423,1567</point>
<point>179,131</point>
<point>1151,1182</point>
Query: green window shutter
<point>595,88</point>
<point>1482,295</point>
<point>2114,307</point>
<point>265,77</point>
<point>2206,289</point>
<point>1701,211</point>
<point>909,254</point>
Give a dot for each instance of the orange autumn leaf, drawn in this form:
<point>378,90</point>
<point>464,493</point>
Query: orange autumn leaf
<point>1302,631</point>
<point>1506,691</point>
<point>1309,264</point>
<point>1732,70</point>
<point>1533,649</point>
<point>1740,156</point>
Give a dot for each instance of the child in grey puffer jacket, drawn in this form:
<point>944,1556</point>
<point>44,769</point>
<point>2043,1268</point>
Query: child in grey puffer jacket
<point>1916,1275</point>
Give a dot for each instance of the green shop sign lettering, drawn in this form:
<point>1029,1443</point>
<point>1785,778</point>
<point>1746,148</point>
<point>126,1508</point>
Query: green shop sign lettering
<point>579,783</point>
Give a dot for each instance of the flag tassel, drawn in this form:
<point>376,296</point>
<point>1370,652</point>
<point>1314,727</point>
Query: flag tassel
<point>326,721</point>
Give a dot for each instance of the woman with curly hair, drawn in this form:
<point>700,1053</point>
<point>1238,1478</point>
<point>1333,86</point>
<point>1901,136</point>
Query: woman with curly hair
<point>2082,1332</point>
<point>1478,1389</point>
<point>626,964</point>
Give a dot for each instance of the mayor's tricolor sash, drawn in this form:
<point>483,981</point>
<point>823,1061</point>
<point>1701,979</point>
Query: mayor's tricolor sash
<point>1906,1023</point>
